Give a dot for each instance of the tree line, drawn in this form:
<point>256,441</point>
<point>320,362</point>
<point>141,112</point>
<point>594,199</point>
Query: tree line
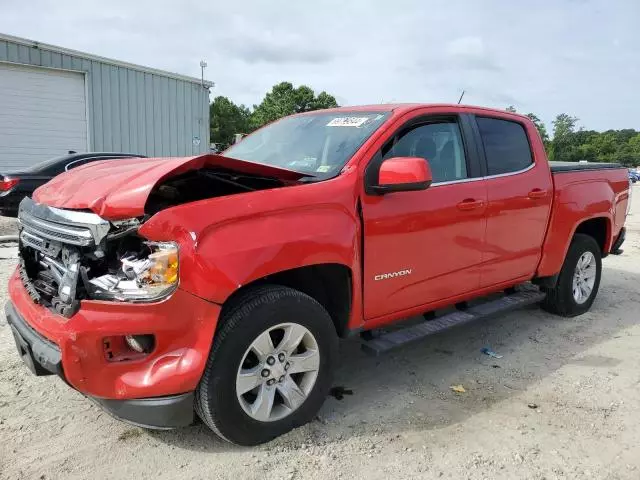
<point>228,119</point>
<point>568,142</point>
<point>571,143</point>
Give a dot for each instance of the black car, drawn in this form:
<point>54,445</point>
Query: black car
<point>14,186</point>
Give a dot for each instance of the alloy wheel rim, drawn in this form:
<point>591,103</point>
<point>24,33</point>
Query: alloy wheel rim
<point>584,277</point>
<point>277,372</point>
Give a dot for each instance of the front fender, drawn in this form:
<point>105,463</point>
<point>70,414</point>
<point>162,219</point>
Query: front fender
<point>249,242</point>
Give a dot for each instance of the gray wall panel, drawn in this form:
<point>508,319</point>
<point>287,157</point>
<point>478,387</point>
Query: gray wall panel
<point>180,119</point>
<point>171,101</point>
<point>129,108</point>
<point>12,52</point>
<point>141,142</point>
<point>3,51</point>
<point>114,101</point>
<point>164,115</point>
<point>125,94</point>
<point>107,120</point>
<point>23,54</point>
<point>95,108</point>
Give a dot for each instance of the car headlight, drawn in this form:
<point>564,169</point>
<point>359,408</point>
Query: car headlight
<point>142,277</point>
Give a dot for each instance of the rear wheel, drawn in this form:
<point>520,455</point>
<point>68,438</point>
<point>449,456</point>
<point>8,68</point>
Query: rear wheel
<point>270,367</point>
<point>579,279</point>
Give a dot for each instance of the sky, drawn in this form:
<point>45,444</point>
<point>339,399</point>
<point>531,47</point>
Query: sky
<point>580,57</point>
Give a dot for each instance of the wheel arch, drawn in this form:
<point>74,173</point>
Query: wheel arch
<point>330,284</point>
<point>559,237</point>
<point>599,228</point>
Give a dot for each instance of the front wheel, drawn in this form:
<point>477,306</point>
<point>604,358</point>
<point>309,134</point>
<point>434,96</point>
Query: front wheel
<point>579,279</point>
<point>270,367</point>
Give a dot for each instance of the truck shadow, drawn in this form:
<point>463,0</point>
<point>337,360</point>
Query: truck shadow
<point>410,388</point>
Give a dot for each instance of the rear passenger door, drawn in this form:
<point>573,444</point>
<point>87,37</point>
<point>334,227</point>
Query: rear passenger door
<point>519,194</point>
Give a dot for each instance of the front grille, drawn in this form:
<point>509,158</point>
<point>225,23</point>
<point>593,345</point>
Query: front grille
<point>55,231</point>
<point>48,247</point>
<point>52,243</point>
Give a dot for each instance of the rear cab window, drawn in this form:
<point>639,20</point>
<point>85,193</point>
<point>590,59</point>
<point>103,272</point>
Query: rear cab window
<point>506,146</point>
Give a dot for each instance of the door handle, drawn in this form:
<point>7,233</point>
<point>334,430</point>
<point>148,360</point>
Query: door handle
<point>537,193</point>
<point>470,204</point>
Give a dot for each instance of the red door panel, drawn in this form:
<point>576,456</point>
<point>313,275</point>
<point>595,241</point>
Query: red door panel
<point>517,217</point>
<point>422,246</point>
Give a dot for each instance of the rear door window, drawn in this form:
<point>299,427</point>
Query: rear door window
<point>506,146</point>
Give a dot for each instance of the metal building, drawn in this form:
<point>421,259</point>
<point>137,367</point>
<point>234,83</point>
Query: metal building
<point>53,100</point>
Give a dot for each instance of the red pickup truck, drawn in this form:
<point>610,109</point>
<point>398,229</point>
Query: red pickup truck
<point>221,284</point>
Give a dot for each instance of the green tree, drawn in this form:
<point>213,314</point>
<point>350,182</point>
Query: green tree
<point>628,153</point>
<point>542,130</point>
<point>562,145</point>
<point>227,119</point>
<point>564,125</point>
<point>605,145</point>
<point>284,99</point>
<point>511,109</point>
<point>324,100</point>
<point>634,143</point>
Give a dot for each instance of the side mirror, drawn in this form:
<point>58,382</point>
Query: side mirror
<point>403,174</point>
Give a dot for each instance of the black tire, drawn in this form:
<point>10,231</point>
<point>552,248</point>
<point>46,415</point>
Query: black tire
<point>560,300</point>
<point>242,322</point>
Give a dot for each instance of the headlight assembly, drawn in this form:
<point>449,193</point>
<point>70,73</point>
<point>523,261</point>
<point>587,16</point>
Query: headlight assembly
<point>141,277</point>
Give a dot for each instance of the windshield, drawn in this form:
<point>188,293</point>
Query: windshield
<point>318,144</point>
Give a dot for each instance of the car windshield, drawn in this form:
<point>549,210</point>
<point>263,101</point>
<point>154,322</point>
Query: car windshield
<point>317,144</point>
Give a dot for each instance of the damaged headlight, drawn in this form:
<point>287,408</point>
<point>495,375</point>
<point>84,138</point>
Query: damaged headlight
<point>141,277</point>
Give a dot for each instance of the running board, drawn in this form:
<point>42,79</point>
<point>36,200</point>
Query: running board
<point>397,338</point>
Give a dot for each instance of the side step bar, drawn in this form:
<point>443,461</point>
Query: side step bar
<point>397,338</point>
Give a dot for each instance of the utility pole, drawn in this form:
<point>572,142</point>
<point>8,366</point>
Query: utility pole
<point>460,99</point>
<point>203,65</point>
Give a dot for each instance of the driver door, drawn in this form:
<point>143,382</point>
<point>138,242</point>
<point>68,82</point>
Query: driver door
<point>422,247</point>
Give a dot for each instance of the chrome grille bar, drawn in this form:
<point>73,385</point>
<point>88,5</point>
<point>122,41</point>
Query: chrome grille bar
<point>69,227</point>
<point>43,245</point>
<point>56,231</point>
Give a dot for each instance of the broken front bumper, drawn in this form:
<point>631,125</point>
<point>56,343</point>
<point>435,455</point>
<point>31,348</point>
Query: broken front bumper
<point>37,352</point>
<point>147,391</point>
<point>43,357</point>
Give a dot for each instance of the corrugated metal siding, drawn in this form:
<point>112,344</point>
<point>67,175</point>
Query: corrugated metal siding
<point>131,110</point>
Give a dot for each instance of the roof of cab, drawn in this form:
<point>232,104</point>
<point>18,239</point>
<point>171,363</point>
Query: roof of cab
<point>401,108</point>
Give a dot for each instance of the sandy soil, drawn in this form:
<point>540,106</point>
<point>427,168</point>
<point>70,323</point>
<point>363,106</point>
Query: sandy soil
<point>402,421</point>
<point>8,226</point>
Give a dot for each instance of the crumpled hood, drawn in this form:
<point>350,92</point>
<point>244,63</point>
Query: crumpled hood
<point>118,189</point>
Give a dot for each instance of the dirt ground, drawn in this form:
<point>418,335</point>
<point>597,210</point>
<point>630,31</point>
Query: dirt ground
<point>8,226</point>
<point>402,420</point>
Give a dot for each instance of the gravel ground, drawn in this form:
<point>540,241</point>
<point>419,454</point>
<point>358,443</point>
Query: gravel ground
<point>402,420</point>
<point>8,226</point>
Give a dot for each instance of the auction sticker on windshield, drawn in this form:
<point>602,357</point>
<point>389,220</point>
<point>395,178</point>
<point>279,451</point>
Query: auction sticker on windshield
<point>347,122</point>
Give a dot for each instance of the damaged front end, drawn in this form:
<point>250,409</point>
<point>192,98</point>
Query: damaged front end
<point>67,256</point>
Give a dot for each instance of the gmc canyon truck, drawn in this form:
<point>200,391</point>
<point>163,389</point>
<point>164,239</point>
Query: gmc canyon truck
<point>220,284</point>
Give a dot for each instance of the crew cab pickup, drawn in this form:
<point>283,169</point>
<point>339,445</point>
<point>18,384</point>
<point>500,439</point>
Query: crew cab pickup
<point>220,284</point>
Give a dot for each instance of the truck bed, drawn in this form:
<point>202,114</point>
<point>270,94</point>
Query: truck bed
<point>559,167</point>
